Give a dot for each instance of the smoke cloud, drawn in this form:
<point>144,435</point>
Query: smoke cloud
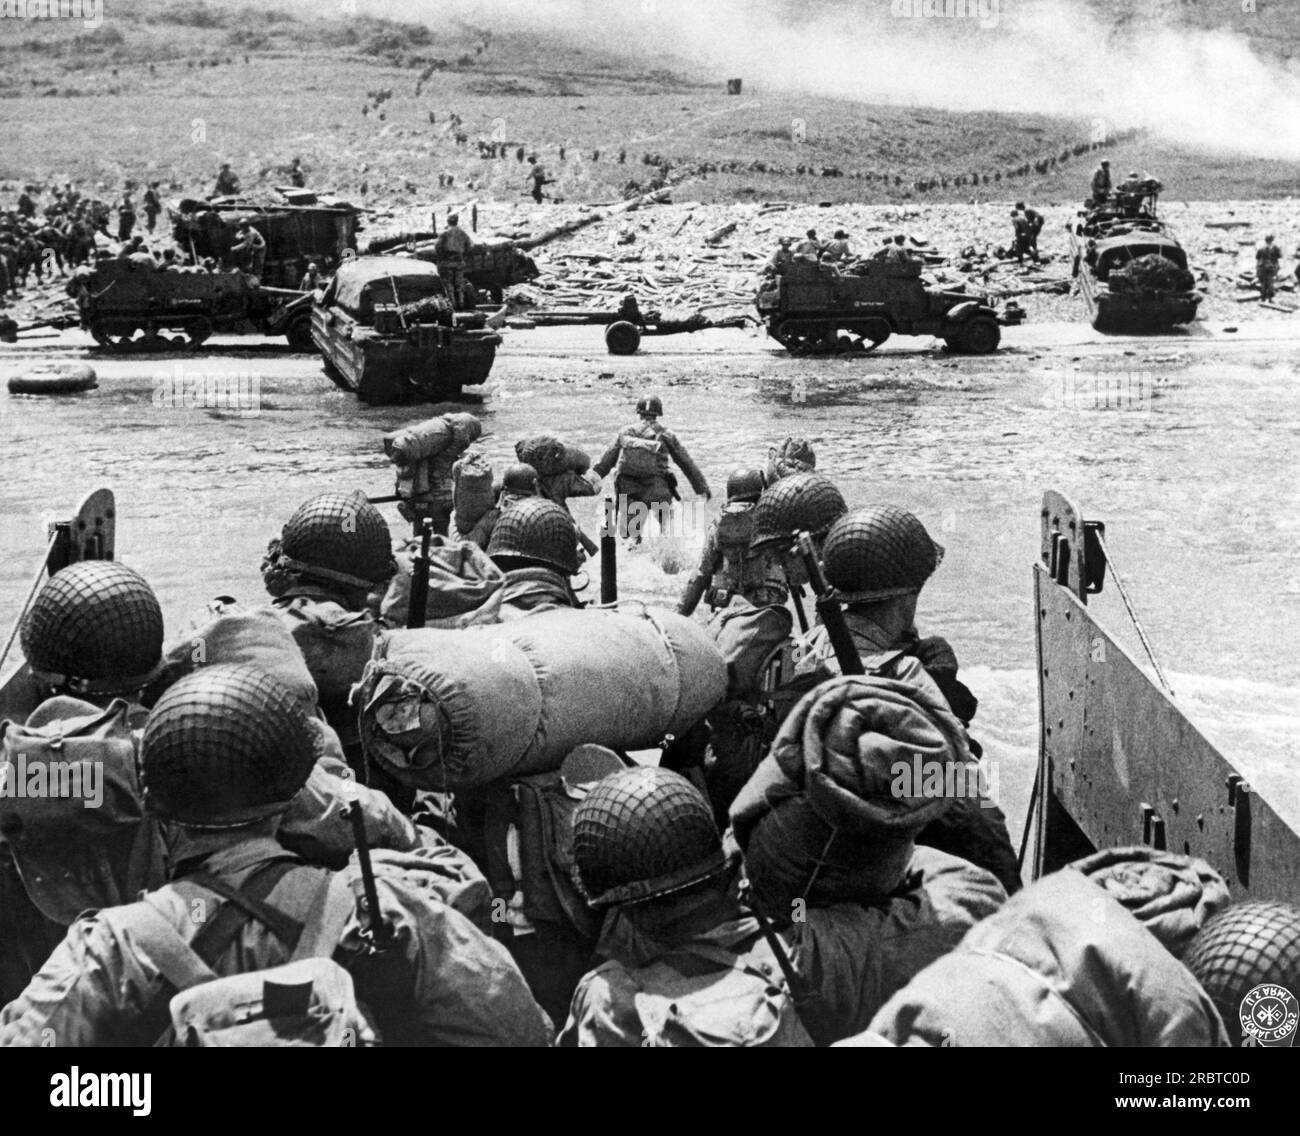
<point>1204,88</point>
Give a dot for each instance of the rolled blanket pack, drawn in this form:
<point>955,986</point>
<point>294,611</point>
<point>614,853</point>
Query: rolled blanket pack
<point>860,766</point>
<point>456,709</point>
<point>465,586</point>
<point>1173,896</point>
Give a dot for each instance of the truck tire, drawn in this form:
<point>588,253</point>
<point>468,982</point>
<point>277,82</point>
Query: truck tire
<point>298,333</point>
<point>977,336</point>
<point>622,338</point>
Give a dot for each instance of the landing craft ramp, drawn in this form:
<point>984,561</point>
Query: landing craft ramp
<point>1119,762</point>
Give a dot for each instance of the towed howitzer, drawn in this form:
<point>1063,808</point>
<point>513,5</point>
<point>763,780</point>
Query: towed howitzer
<point>828,608</point>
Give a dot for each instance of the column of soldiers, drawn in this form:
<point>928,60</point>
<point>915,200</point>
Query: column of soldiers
<point>766,883</point>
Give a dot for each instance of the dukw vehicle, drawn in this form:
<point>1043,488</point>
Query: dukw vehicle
<point>812,307</point>
<point>388,331</point>
<point>1131,270</point>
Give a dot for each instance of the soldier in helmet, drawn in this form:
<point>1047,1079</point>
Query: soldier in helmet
<point>424,454</point>
<point>727,567</point>
<point>878,560</point>
<point>802,502</point>
<point>1268,260</point>
<point>95,631</point>
<point>224,752</point>
<point>93,641</point>
<point>643,481</point>
<point>535,543</point>
<point>687,964</point>
<point>517,483</point>
<point>451,252</point>
<point>325,571</point>
<point>563,472</point>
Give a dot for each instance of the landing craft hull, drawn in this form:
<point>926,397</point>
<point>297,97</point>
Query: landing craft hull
<point>1120,763</point>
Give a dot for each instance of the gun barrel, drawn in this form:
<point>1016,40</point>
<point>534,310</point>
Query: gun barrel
<point>419,603</point>
<point>609,555</point>
<point>378,928</point>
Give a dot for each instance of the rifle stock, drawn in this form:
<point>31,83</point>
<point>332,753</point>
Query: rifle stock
<point>419,602</point>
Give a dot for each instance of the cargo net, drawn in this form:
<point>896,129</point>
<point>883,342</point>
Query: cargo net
<point>431,309</point>
<point>1151,273</point>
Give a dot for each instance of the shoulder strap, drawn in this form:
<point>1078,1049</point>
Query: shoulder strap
<point>330,911</point>
<point>242,904</point>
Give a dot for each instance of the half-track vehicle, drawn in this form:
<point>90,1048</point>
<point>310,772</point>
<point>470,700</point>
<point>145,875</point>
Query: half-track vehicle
<point>130,304</point>
<point>812,307</point>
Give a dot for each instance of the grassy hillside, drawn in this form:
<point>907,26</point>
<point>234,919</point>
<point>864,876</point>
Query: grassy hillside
<point>170,90</point>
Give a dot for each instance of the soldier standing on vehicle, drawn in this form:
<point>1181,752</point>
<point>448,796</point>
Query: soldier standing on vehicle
<point>1268,261</point>
<point>450,254</point>
<point>837,249</point>
<point>643,481</point>
<point>780,259</point>
<point>810,248</point>
<point>125,216</point>
<point>224,752</point>
<point>297,175</point>
<point>152,206</point>
<point>227,182</point>
<point>1101,183</point>
<point>250,249</point>
<point>310,279</point>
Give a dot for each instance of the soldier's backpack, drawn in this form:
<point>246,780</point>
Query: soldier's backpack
<point>641,458</point>
<point>309,1002</point>
<point>471,489</point>
<point>706,996</point>
<point>735,528</point>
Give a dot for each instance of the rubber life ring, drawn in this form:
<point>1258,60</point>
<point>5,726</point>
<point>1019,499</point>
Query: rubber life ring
<point>54,378</point>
